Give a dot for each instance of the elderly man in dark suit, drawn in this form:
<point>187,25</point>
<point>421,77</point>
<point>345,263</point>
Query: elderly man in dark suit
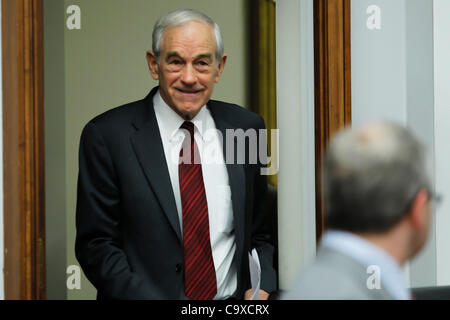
<point>155,218</point>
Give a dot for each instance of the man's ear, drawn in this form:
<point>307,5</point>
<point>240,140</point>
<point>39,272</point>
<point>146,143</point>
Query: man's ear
<point>416,214</point>
<point>222,63</point>
<point>153,65</point>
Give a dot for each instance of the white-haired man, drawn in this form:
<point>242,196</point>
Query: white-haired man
<point>154,226</point>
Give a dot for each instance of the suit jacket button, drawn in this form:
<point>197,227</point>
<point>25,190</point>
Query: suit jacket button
<point>179,268</point>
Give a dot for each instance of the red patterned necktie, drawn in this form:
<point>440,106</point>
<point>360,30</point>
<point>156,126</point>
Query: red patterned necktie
<point>199,271</point>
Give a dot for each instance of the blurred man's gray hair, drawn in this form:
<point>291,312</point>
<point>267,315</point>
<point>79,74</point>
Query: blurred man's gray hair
<point>372,175</point>
<point>179,17</point>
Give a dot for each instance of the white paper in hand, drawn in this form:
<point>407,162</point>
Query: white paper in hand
<point>255,273</point>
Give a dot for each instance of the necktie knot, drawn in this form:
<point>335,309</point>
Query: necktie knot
<point>189,126</point>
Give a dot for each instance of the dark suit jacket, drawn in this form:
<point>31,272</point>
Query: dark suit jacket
<point>128,239</point>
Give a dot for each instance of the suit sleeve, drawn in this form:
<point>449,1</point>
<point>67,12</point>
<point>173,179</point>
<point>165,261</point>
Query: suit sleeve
<point>98,241</point>
<point>261,235</point>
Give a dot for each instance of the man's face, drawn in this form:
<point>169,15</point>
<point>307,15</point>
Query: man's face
<point>422,233</point>
<point>187,68</point>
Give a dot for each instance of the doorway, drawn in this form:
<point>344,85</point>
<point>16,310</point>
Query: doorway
<point>37,215</point>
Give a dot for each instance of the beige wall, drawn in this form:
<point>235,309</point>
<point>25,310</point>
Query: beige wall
<point>55,154</point>
<point>99,67</point>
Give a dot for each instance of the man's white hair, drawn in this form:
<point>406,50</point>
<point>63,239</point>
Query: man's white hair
<point>181,16</point>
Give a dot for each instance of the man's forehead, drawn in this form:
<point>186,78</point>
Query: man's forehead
<point>192,32</point>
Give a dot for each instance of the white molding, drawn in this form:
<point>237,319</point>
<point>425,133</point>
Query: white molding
<point>442,131</point>
<point>2,291</point>
<point>295,114</point>
<point>392,78</point>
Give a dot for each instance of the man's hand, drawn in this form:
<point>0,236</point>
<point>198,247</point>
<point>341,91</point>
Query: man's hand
<point>263,295</point>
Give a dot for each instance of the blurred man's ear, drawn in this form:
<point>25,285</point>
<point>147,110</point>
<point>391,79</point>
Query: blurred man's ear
<point>419,207</point>
<point>222,63</point>
<point>153,64</point>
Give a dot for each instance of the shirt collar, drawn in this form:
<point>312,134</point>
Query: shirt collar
<point>368,254</point>
<point>172,122</point>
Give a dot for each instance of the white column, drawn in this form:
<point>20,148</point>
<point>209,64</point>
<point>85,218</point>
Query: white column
<point>442,134</point>
<point>378,62</point>
<point>295,113</point>
<point>392,78</point>
<point>2,290</point>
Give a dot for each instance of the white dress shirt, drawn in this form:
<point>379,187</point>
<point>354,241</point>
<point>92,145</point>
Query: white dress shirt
<point>215,177</point>
<point>363,251</point>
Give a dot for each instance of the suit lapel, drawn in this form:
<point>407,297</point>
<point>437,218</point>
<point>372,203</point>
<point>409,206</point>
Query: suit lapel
<point>150,152</point>
<point>236,176</point>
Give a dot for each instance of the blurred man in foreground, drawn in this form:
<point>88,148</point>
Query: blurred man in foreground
<point>377,195</point>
